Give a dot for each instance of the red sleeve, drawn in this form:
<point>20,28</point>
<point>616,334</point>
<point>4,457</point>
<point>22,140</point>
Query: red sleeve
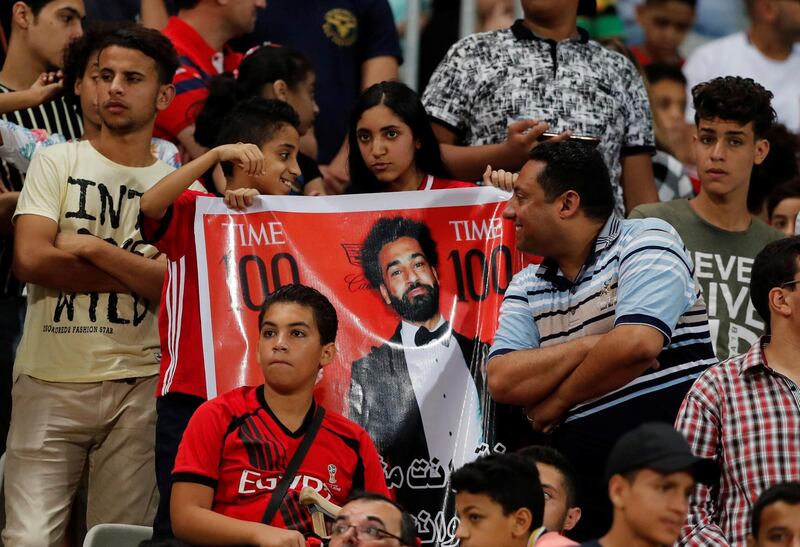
<point>175,230</point>
<point>374,479</point>
<point>199,453</point>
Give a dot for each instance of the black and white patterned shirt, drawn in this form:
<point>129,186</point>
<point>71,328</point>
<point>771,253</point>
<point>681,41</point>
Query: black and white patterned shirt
<point>492,79</point>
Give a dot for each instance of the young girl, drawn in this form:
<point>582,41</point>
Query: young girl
<point>392,145</point>
<point>271,73</point>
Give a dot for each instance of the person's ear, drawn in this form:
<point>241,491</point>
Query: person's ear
<point>417,144</point>
<point>617,488</point>
<point>328,354</point>
<point>77,87</point>
<point>762,150</point>
<point>21,15</point>
<point>165,95</point>
<point>570,204</point>
<point>521,521</point>
<point>778,304</point>
<point>751,541</point>
<point>573,516</point>
<point>280,90</point>
<point>385,294</point>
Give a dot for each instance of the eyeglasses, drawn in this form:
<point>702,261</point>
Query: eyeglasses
<point>790,283</point>
<point>372,533</point>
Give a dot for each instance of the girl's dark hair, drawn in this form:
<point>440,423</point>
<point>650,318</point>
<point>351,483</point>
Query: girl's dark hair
<point>254,120</point>
<point>405,103</point>
<point>264,66</point>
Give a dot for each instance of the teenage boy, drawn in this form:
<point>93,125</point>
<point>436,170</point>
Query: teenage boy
<point>500,503</point>
<point>559,485</point>
<point>168,222</point>
<point>651,475</point>
<point>87,363</point>
<point>732,116</point>
<point>775,520</point>
<point>237,448</point>
<point>665,24</point>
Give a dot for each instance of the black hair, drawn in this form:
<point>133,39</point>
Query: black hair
<point>264,66</point>
<point>387,230</point>
<point>737,99</point>
<point>508,479</point>
<point>35,5</point>
<point>324,312</point>
<point>691,3</point>
<point>780,166</point>
<point>254,120</point>
<point>408,529</point>
<point>550,456</point>
<point>774,265</point>
<point>573,165</point>
<point>786,492</point>
<point>185,4</point>
<point>79,52</point>
<point>656,72</point>
<point>784,191</point>
<point>151,43</point>
<point>405,103</point>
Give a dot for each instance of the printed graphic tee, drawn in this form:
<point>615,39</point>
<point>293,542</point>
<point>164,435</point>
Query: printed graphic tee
<point>88,337</point>
<point>723,261</point>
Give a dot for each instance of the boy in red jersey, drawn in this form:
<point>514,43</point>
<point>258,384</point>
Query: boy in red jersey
<point>238,446</point>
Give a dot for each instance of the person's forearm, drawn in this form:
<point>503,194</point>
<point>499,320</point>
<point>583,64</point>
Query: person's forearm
<point>638,183</point>
<point>200,526</point>
<point>20,100</point>
<point>154,14</point>
<point>526,377</point>
<point>379,69</point>
<point>8,204</point>
<point>62,271</point>
<point>155,202</point>
<point>144,276</point>
<point>469,162</point>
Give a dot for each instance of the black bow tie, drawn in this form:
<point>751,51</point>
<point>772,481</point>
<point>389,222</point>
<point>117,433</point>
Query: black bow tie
<point>424,336</point>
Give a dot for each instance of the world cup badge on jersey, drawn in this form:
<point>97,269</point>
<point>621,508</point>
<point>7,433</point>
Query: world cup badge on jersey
<point>331,473</point>
<point>608,296</point>
<point>341,26</point>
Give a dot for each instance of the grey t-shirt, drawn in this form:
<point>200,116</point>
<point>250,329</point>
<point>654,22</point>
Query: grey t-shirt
<point>723,261</point>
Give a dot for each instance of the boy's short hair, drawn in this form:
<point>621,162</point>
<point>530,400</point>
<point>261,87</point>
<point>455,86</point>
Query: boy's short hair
<point>550,456</point>
<point>408,527</point>
<point>786,492</point>
<point>35,5</point>
<point>511,480</point>
<point>691,3</point>
<point>151,43</point>
<point>737,99</point>
<point>656,72</point>
<point>324,312</point>
<point>774,265</point>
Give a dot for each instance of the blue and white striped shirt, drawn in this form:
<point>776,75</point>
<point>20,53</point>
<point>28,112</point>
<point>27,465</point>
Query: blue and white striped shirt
<point>639,272</point>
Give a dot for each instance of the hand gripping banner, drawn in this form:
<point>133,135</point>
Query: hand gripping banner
<point>416,278</point>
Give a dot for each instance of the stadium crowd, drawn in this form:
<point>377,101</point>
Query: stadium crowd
<point>651,154</point>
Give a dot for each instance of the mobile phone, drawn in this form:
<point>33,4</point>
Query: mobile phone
<point>594,141</point>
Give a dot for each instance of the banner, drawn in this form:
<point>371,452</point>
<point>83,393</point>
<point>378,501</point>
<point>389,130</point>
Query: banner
<point>416,278</point>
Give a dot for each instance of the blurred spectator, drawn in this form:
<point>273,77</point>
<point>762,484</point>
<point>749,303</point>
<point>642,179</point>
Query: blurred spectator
<point>560,487</point>
<point>86,366</point>
<point>199,34</point>
<point>783,205</point>
<point>743,413</point>
<point>775,520</point>
<point>608,332</point>
<point>779,167</point>
<point>665,24</point>
<point>733,116</point>
<point>651,473</point>
<point>367,518</point>
<point>600,19</point>
<point>545,68</point>
<point>766,53</point>
<point>150,13</point>
<point>40,29</point>
<point>352,44</point>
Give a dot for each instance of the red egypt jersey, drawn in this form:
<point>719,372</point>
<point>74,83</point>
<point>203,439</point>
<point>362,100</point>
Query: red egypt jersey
<point>199,63</point>
<point>235,445</point>
<point>182,365</point>
<point>431,182</point>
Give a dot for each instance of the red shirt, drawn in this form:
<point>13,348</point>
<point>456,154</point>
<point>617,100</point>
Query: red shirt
<point>182,364</point>
<point>199,63</point>
<point>235,445</point>
<point>644,59</point>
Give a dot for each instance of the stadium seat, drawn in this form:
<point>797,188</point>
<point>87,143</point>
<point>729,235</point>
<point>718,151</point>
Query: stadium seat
<point>118,535</point>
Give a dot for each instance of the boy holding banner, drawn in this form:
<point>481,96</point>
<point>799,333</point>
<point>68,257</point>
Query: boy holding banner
<point>267,167</point>
<point>246,454</point>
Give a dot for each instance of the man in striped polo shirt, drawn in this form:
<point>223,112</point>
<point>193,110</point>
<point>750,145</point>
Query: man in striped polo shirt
<point>608,332</point>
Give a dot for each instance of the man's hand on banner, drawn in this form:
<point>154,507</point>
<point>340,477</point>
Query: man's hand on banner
<point>241,198</point>
<point>547,415</point>
<point>246,156</point>
<point>501,178</point>
<point>270,536</point>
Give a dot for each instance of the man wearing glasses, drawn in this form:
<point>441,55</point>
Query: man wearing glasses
<point>369,518</point>
<point>745,412</point>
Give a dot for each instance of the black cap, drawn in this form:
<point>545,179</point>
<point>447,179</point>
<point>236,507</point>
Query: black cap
<point>659,447</point>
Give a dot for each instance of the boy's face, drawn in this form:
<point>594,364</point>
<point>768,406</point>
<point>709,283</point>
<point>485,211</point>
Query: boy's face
<point>86,90</point>
<point>784,215</point>
<point>669,103</point>
<point>558,515</point>
<point>483,524</point>
<point>665,25</point>
<point>726,152</point>
<point>55,26</point>
<point>280,163</point>
<point>289,348</point>
<point>653,506</point>
<point>780,526</point>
